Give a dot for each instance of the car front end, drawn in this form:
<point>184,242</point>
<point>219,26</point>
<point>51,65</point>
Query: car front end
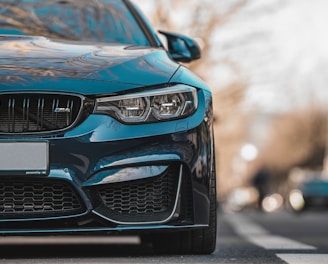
<point>80,159</point>
<point>102,130</point>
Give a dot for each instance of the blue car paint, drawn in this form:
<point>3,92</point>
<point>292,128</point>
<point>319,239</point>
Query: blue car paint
<point>100,145</point>
<point>80,68</point>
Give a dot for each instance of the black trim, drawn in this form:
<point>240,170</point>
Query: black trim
<point>145,27</point>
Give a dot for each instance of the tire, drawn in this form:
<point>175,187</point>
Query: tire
<point>198,241</point>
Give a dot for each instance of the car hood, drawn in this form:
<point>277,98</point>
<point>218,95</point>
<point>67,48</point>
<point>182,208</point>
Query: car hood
<point>34,63</point>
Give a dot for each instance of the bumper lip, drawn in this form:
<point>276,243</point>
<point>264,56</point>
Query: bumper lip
<point>132,229</point>
<point>98,212</point>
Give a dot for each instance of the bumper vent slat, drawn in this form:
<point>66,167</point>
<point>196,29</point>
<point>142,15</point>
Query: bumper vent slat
<point>30,113</point>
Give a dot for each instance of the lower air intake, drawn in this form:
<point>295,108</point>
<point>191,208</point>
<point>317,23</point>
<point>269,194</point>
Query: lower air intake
<point>147,200</point>
<point>40,198</point>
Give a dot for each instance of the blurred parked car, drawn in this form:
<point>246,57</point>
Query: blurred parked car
<point>102,130</point>
<point>309,190</point>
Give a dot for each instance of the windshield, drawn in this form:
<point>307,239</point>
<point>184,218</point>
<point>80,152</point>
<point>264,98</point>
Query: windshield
<point>84,20</point>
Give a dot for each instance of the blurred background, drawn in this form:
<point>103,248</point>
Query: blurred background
<point>266,62</point>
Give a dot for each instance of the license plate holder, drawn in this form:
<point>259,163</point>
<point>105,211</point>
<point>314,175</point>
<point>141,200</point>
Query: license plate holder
<point>24,158</point>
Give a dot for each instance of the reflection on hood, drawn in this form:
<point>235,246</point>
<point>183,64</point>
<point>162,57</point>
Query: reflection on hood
<point>26,56</point>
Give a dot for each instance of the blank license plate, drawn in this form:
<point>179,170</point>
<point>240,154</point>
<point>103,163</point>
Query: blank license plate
<point>24,157</point>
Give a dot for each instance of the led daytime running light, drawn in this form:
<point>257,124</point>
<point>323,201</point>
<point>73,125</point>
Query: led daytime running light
<point>152,106</point>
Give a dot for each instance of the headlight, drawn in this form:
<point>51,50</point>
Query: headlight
<point>151,106</point>
<point>296,199</point>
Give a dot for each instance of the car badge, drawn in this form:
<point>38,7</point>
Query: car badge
<point>62,110</point>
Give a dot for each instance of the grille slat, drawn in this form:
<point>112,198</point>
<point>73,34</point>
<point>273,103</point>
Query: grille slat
<point>42,198</point>
<point>26,107</point>
<point>31,112</point>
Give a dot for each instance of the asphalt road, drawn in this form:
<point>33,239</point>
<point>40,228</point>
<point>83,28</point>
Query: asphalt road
<point>248,237</point>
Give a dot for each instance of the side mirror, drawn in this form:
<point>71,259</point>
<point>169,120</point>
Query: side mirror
<point>181,48</point>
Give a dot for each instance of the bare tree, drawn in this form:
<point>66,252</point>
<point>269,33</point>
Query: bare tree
<point>302,134</point>
<point>200,20</point>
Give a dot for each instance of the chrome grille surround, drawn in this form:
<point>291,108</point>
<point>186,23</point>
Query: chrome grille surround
<point>25,113</point>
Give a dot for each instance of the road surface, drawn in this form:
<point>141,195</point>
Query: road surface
<point>247,237</point>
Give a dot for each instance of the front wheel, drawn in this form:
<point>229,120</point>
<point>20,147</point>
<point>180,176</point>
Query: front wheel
<point>198,241</point>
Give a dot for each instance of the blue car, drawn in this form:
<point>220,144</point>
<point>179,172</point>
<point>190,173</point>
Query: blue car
<point>103,130</point>
<point>309,190</point>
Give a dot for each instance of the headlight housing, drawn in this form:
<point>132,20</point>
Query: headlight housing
<point>169,103</point>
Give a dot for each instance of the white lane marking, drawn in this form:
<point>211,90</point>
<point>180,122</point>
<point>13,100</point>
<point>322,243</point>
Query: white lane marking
<point>304,258</point>
<point>261,237</point>
<point>273,242</point>
<point>57,240</point>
